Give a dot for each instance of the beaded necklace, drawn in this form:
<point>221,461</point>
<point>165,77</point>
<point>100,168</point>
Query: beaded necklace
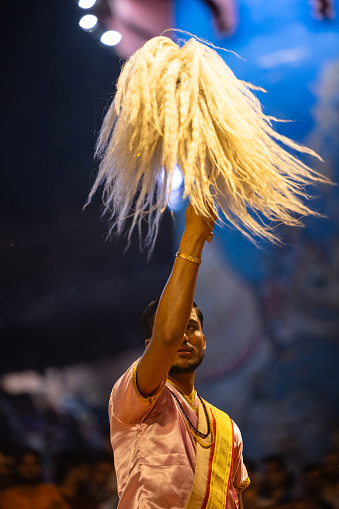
<point>198,435</point>
<point>189,398</point>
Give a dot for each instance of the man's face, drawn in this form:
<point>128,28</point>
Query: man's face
<point>102,474</point>
<point>275,476</point>
<point>192,349</point>
<point>6,469</point>
<point>29,469</point>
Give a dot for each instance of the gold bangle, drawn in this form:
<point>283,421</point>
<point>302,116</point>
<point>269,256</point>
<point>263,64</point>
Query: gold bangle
<point>189,258</point>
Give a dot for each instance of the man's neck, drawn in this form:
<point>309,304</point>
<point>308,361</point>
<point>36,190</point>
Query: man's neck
<point>185,382</point>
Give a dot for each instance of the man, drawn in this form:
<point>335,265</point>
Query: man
<point>72,474</point>
<point>276,482</point>
<point>7,460</point>
<point>103,486</point>
<point>172,449</point>
<point>29,490</point>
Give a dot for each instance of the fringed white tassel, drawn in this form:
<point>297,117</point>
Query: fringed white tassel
<point>183,105</point>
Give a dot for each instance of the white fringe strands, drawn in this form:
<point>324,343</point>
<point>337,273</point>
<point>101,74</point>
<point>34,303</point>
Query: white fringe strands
<point>183,105</point>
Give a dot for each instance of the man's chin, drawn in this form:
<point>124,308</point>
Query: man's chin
<point>181,370</point>
<point>185,369</point>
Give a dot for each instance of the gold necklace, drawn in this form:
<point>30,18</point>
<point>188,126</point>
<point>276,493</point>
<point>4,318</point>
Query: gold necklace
<point>188,398</point>
<point>198,435</point>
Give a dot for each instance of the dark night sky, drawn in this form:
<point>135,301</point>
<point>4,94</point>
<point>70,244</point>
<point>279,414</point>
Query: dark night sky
<point>67,295</point>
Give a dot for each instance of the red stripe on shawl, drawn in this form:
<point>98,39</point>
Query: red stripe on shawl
<point>231,467</point>
<point>204,504</point>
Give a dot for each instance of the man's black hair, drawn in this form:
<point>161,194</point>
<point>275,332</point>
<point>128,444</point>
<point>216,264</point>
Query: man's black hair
<point>67,460</point>
<point>102,457</point>
<point>148,316</point>
<point>310,467</point>
<point>277,459</point>
<point>21,453</point>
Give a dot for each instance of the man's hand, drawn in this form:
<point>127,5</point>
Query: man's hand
<point>198,224</point>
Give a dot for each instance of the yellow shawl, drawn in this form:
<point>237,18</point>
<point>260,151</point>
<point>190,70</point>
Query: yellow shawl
<point>213,465</point>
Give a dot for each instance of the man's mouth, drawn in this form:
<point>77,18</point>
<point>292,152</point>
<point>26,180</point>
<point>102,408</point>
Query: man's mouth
<point>185,351</point>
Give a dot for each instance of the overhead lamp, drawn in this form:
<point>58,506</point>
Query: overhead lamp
<point>110,38</point>
<point>88,22</point>
<point>86,4</point>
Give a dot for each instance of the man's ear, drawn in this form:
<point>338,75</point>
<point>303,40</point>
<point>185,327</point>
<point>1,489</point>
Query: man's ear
<point>204,343</point>
<point>147,342</point>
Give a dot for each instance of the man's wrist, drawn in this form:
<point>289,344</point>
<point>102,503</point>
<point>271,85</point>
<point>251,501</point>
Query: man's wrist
<point>192,243</point>
<point>195,236</point>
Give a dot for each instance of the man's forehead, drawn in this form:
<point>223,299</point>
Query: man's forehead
<point>194,315</point>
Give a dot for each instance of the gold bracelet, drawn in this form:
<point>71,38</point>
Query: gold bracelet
<point>189,258</point>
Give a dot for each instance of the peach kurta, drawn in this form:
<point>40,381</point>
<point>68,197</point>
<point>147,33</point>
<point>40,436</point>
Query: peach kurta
<point>154,451</point>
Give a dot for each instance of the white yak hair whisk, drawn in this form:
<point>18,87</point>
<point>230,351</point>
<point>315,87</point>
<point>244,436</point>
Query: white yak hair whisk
<point>182,105</point>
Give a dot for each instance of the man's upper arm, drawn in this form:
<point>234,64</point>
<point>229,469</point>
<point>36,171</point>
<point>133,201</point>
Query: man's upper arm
<point>154,366</point>
<point>127,404</point>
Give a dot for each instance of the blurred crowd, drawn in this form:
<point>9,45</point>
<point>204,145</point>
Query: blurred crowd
<point>274,485</point>
<point>86,480</point>
<point>76,480</point>
<point>61,459</point>
<point>54,458</point>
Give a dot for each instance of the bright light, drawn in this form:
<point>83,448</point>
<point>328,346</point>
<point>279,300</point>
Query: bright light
<point>177,179</point>
<point>111,38</point>
<point>176,201</point>
<point>86,4</point>
<point>88,22</point>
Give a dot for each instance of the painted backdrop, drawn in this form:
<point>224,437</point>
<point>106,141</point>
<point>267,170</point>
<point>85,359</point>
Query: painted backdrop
<point>272,314</point>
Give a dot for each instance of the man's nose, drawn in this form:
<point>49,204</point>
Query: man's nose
<point>185,339</point>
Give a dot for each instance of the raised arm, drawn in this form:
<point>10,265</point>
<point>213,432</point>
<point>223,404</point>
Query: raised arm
<point>175,306</point>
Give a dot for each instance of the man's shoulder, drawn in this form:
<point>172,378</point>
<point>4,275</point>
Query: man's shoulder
<point>126,402</point>
<point>128,373</point>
